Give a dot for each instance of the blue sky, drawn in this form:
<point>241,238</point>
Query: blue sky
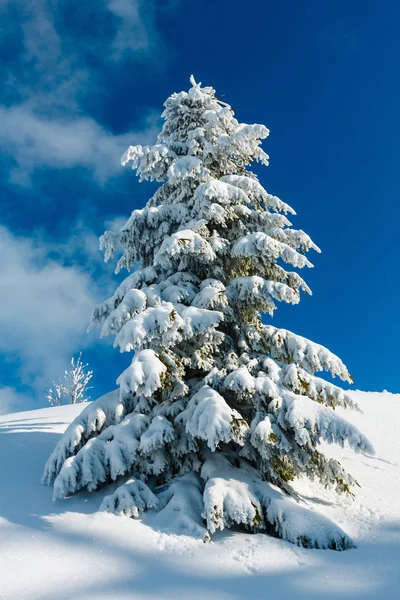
<point>81,81</point>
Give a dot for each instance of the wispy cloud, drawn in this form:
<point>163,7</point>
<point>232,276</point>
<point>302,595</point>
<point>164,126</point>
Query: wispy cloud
<point>53,57</point>
<point>11,400</point>
<point>45,309</point>
<point>35,142</point>
<point>62,50</point>
<point>135,30</point>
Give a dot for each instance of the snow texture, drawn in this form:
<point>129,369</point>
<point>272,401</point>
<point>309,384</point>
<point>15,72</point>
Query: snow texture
<point>68,550</point>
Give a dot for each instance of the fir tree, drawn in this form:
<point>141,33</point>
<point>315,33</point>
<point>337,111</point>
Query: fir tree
<point>218,412</point>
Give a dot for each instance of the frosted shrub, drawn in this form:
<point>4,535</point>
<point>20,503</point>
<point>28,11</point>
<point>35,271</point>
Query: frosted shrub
<point>74,385</point>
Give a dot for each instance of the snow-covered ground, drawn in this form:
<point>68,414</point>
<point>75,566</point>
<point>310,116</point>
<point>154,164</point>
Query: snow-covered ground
<point>66,550</point>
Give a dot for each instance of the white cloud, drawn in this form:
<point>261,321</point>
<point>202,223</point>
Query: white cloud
<point>10,400</point>
<point>133,33</point>
<point>36,142</point>
<point>48,40</point>
<point>45,309</point>
<point>44,126</point>
<point>46,296</point>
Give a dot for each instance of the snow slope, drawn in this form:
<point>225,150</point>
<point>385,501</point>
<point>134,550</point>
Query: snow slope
<point>66,550</point>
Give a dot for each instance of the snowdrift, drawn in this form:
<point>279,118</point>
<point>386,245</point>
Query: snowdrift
<point>59,550</point>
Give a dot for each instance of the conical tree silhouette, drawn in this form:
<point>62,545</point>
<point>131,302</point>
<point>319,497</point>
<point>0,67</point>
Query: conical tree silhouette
<point>218,412</point>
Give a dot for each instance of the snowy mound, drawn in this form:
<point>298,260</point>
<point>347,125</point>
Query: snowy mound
<point>67,549</point>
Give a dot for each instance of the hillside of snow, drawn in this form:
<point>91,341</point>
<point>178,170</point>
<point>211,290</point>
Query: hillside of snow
<point>67,550</point>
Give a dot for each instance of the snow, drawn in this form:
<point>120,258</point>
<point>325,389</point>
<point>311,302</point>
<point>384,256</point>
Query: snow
<point>130,499</point>
<point>237,495</point>
<point>148,326</point>
<point>208,417</point>
<point>118,444</point>
<point>159,432</point>
<point>66,549</point>
<point>184,166</point>
<point>267,250</point>
<point>252,188</point>
<point>291,348</point>
<point>199,320</point>
<point>181,244</point>
<point>143,376</point>
<point>150,162</point>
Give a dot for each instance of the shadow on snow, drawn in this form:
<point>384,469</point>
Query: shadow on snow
<point>311,574</point>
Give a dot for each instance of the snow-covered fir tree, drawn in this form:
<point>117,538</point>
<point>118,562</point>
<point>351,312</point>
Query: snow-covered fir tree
<point>73,387</point>
<point>218,412</point>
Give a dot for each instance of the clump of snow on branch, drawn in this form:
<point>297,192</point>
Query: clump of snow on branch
<point>130,498</point>
<point>238,496</point>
